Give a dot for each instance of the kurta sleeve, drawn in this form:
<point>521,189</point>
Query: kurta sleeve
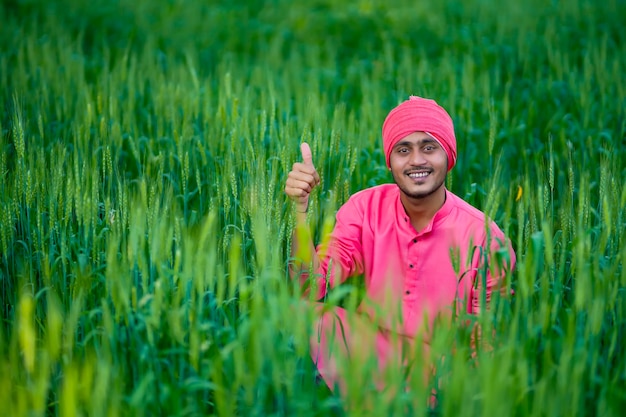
<point>341,254</point>
<point>492,262</point>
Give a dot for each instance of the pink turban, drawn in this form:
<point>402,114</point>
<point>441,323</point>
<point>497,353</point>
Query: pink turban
<point>419,114</point>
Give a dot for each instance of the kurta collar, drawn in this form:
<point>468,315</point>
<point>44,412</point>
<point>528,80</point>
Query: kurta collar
<point>441,214</point>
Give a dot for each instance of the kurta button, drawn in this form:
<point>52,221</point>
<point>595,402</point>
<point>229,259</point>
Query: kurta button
<point>408,292</point>
<point>414,240</point>
<point>410,265</point>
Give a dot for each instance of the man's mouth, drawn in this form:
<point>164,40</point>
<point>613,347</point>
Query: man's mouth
<point>418,174</point>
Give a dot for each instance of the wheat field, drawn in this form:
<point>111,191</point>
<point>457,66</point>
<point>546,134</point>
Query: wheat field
<point>145,235</point>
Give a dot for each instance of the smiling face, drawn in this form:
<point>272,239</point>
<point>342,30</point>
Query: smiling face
<point>419,166</point>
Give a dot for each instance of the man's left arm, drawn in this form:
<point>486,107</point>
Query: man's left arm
<point>494,265</point>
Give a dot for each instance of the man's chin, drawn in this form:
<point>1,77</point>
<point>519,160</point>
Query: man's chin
<point>419,194</point>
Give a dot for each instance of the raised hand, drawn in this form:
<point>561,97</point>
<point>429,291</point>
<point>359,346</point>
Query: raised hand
<point>302,179</point>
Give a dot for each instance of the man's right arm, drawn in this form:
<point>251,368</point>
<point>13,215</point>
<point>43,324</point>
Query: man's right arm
<point>304,257</point>
<point>301,181</point>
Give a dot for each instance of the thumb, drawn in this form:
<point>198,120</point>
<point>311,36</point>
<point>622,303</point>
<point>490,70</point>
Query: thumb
<point>307,156</point>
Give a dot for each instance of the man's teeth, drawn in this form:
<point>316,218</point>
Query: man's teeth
<point>418,174</point>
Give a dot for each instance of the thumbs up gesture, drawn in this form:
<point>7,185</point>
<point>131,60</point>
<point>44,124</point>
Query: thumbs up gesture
<point>302,179</point>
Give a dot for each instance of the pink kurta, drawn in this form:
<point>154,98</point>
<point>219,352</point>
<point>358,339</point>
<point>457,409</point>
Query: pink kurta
<point>410,277</point>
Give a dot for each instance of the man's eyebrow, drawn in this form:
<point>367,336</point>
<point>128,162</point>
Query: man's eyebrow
<point>419,142</point>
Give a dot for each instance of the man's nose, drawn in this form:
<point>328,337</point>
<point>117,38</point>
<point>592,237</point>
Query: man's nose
<point>417,157</point>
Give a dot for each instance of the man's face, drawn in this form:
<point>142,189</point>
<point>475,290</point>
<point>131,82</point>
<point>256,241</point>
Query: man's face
<point>419,165</point>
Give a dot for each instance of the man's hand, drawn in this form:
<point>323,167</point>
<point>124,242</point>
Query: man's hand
<point>302,179</point>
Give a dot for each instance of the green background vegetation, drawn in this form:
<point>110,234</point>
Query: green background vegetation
<point>144,233</point>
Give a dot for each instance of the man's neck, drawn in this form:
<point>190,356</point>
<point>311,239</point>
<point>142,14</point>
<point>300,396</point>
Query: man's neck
<point>422,210</point>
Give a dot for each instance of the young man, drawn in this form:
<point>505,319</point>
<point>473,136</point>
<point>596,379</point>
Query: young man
<point>420,248</point>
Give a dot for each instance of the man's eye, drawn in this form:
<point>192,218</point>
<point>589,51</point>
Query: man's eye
<point>429,148</point>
